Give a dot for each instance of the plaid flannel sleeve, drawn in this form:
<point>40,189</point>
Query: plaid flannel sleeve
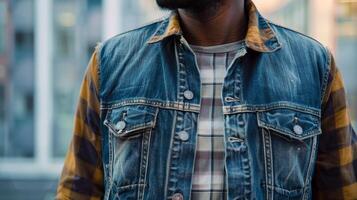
<point>82,175</point>
<point>335,174</point>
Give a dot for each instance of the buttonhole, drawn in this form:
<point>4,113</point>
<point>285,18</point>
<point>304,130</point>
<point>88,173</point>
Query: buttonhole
<point>234,139</point>
<point>231,99</point>
<point>296,120</point>
<point>124,114</point>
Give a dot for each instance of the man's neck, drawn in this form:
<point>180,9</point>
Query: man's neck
<point>223,23</point>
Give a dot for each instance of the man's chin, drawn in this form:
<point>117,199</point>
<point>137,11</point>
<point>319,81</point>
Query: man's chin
<point>186,4</point>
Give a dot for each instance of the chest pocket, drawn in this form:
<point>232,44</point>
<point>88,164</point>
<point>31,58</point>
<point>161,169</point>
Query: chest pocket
<point>292,125</point>
<point>289,139</point>
<point>129,121</point>
<point>130,129</point>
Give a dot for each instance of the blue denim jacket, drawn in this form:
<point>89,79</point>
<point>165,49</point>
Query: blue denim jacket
<point>151,90</point>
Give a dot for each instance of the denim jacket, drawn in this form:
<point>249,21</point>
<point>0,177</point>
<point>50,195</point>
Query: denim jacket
<point>149,90</point>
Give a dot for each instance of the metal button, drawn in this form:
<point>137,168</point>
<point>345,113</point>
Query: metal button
<point>177,196</point>
<point>183,135</point>
<point>182,40</point>
<point>298,129</point>
<point>188,94</point>
<point>120,125</point>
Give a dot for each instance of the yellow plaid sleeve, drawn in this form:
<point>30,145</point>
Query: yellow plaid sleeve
<point>335,174</point>
<point>82,175</point>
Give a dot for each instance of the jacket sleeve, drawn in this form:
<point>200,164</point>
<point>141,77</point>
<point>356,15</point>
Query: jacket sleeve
<point>82,175</point>
<point>336,167</point>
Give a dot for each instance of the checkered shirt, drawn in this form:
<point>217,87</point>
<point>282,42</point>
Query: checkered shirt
<point>209,172</point>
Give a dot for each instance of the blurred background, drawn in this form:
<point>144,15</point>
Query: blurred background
<point>44,49</point>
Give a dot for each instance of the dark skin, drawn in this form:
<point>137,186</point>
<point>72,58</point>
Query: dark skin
<point>214,25</point>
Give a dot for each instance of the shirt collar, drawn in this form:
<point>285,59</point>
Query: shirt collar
<point>259,37</point>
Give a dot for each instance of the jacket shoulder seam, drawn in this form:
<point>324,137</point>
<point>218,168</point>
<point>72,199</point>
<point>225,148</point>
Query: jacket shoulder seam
<point>326,75</point>
<point>295,31</point>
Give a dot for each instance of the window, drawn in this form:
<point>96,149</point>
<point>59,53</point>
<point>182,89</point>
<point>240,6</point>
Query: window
<point>40,81</point>
<point>18,86</point>
<point>3,14</point>
<point>68,65</point>
<point>346,49</point>
<point>3,18</point>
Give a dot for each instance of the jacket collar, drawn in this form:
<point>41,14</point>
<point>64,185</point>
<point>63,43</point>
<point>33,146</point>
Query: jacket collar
<point>260,36</point>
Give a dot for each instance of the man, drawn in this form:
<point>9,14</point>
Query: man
<point>214,102</point>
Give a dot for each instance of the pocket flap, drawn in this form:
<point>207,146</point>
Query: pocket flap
<point>290,123</point>
<point>128,120</point>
